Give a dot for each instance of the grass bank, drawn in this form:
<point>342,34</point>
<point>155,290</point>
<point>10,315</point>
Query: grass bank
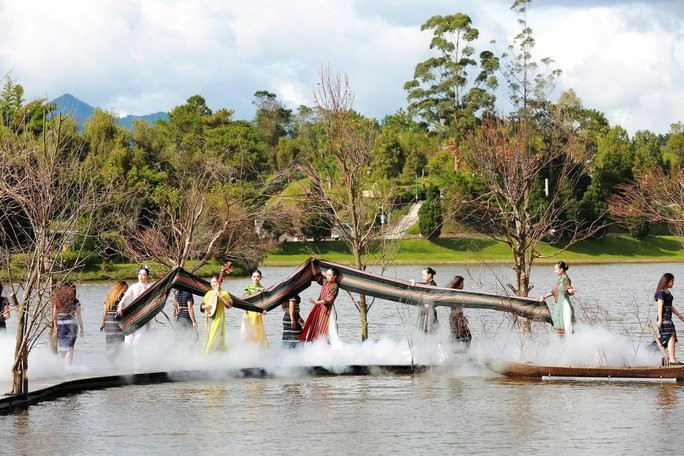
<point>622,249</point>
<point>129,271</point>
<point>609,249</point>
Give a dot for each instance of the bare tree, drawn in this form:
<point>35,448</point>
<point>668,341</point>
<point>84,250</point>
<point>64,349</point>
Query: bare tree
<point>655,197</point>
<point>511,161</point>
<point>48,199</point>
<point>338,182</point>
<point>204,215</point>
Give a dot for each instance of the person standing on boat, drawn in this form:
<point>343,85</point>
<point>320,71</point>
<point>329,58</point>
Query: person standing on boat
<point>292,322</point>
<point>186,323</point>
<point>427,314</point>
<point>4,311</point>
<point>457,321</point>
<point>668,334</point>
<point>563,315</point>
<point>216,338</point>
<point>114,337</point>
<point>134,292</point>
<point>322,320</point>
<point>66,315</point>
<point>252,329</point>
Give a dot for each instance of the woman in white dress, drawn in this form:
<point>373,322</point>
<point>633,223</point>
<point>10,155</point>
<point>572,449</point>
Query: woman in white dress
<point>133,292</point>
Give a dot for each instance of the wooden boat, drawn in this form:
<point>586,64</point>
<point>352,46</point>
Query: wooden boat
<point>530,370</point>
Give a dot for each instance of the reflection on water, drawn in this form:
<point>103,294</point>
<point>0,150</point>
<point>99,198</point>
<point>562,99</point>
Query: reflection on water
<point>667,396</point>
<point>384,415</point>
<point>462,409</point>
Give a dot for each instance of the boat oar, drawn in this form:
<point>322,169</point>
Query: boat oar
<point>666,359</point>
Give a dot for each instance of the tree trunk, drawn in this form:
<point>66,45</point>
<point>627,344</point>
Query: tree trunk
<point>363,308</point>
<point>523,281</point>
<point>20,358</point>
<point>21,352</point>
<point>363,313</point>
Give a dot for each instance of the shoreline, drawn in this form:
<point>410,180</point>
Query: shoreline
<point>446,251</point>
<point>545,261</point>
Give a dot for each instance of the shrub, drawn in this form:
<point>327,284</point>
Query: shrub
<point>430,215</point>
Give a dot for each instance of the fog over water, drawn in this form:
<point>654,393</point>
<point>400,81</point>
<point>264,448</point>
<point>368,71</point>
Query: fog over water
<point>444,409</point>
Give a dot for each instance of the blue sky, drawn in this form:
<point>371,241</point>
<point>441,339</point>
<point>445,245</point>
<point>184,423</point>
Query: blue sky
<point>624,58</point>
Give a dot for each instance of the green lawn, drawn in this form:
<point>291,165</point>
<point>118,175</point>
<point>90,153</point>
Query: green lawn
<point>469,250</point>
<point>609,249</point>
<point>129,271</point>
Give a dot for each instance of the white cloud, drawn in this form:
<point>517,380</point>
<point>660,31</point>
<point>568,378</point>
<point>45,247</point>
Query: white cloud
<point>140,56</point>
<point>619,60</point>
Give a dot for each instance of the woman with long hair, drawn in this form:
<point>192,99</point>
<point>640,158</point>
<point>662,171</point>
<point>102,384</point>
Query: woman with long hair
<point>457,321</point>
<point>114,337</point>
<point>563,315</point>
<point>668,334</point>
<point>322,320</point>
<point>66,317</point>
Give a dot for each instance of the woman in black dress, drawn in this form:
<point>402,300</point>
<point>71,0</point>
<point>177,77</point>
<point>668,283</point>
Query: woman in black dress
<point>668,334</point>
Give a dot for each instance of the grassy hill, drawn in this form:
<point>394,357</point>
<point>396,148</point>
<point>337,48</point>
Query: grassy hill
<point>620,249</point>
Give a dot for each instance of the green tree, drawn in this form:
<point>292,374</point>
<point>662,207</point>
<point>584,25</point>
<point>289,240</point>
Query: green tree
<point>108,143</point>
<point>411,141</point>
<point>648,152</point>
<point>529,83</point>
<point>388,156</point>
<point>614,159</point>
<point>11,101</point>
<point>450,90</point>
<point>430,214</point>
<point>273,120</point>
<point>186,123</point>
<point>239,145</point>
<point>673,155</point>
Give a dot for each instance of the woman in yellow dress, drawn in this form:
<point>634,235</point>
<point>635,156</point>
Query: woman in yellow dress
<point>216,338</point>
<point>252,330</point>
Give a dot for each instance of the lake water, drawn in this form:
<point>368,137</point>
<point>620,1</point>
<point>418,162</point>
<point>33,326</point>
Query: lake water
<point>462,407</point>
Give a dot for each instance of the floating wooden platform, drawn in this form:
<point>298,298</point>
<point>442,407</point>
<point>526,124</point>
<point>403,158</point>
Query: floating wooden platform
<point>49,389</point>
<point>530,370</point>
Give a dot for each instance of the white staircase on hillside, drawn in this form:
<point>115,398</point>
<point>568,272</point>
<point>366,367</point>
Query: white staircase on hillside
<point>398,230</point>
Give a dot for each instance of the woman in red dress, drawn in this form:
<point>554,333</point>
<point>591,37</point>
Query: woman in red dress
<point>319,324</point>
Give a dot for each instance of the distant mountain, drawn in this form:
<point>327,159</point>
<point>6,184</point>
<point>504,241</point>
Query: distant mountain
<point>68,104</point>
<point>127,122</point>
<point>81,111</point>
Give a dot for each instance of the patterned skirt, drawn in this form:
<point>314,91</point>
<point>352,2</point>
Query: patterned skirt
<point>291,336</point>
<point>666,331</point>
<point>67,330</point>
<point>183,320</point>
<point>114,337</point>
